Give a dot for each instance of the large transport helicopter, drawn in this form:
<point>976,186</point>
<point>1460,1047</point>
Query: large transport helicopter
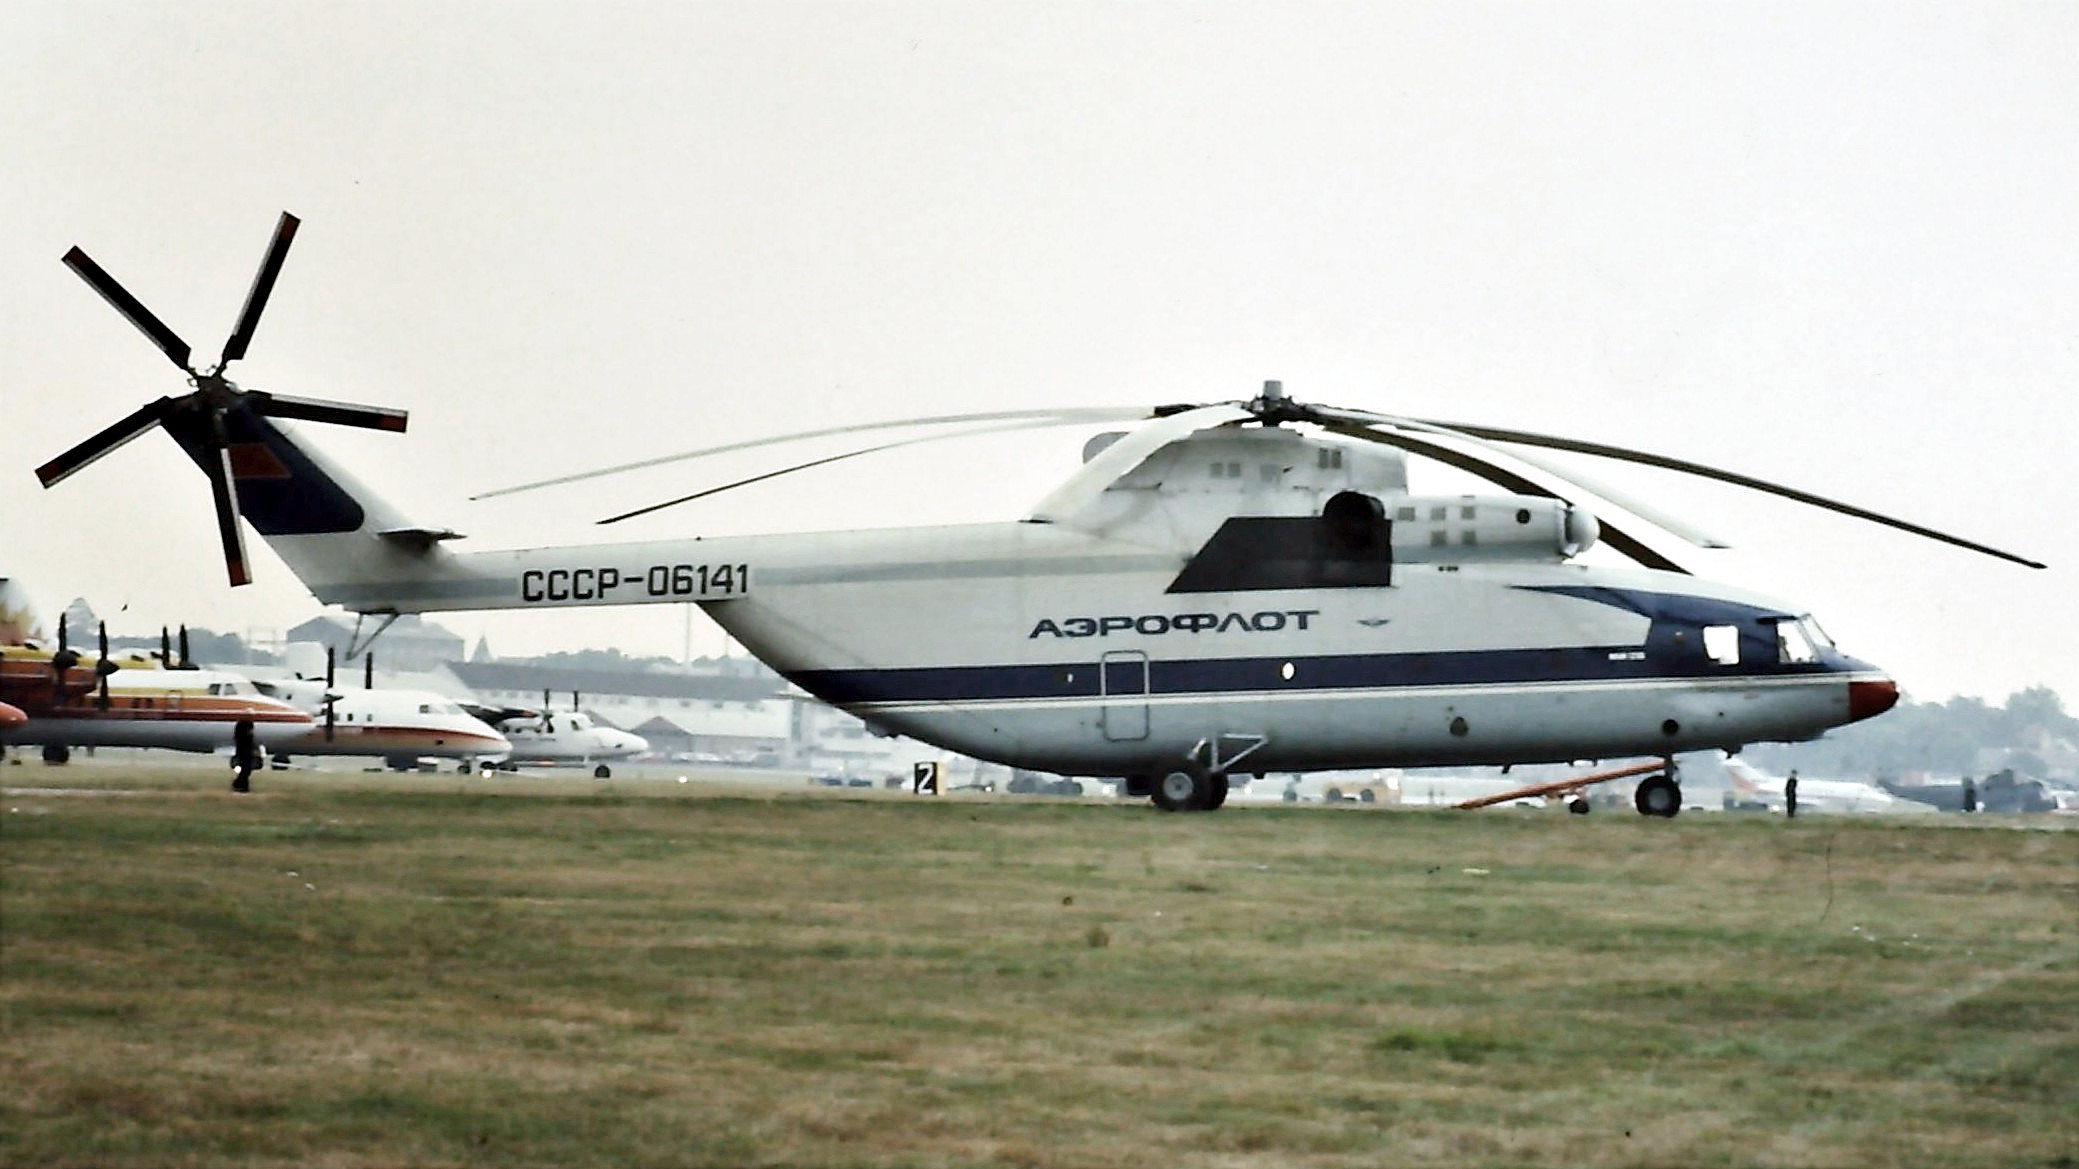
<point>1243,586</point>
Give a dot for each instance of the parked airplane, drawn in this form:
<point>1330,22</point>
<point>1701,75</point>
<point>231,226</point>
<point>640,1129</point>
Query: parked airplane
<point>1755,788</point>
<point>400,726</point>
<point>567,739</point>
<point>133,702</point>
<point>1240,586</point>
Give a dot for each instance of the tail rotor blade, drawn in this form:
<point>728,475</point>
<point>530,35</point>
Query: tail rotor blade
<point>367,671</point>
<point>186,662</point>
<point>108,439</point>
<point>229,532</point>
<point>331,695</point>
<point>324,410</point>
<point>133,310</point>
<point>263,286</point>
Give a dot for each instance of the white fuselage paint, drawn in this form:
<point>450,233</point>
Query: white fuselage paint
<point>388,723</point>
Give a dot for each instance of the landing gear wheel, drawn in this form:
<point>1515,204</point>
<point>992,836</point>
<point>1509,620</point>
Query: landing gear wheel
<point>1219,793</point>
<point>56,753</point>
<point>602,772</point>
<point>1187,789</point>
<point>1578,805</point>
<point>1658,795</point>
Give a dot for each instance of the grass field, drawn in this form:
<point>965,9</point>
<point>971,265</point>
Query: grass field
<point>440,971</point>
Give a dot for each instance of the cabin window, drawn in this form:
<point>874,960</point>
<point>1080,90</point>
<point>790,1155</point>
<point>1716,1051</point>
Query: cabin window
<point>1331,458</point>
<point>1469,512</point>
<point>1722,644</point>
<point>1404,515</point>
<point>1439,513</point>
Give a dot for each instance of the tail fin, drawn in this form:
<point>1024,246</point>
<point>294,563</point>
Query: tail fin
<point>1745,779</point>
<point>331,530</point>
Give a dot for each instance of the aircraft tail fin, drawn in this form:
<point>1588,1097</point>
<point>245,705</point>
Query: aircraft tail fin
<point>332,530</point>
<point>1748,780</point>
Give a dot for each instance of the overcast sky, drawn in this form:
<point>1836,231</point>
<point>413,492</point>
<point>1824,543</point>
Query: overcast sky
<point>1827,244</point>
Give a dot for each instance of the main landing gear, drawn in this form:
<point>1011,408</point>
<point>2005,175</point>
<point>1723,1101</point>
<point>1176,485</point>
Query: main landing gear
<point>1198,783</point>
<point>1192,787</point>
<point>1659,794</point>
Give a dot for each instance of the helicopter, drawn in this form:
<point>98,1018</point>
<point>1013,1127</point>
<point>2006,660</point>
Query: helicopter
<point>1225,588</point>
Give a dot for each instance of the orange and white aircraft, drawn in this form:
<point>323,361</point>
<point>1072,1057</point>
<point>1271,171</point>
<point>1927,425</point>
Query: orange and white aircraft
<point>133,701</point>
<point>399,726</point>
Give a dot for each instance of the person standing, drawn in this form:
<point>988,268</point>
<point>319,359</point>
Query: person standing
<point>1790,795</point>
<point>245,755</point>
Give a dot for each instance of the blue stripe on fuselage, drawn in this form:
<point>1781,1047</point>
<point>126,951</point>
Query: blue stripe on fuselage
<point>1214,676</point>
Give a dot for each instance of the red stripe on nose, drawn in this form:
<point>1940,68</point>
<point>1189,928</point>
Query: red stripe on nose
<point>1870,699</point>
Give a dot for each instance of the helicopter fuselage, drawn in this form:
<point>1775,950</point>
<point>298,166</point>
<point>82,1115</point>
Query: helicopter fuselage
<point>1050,648</point>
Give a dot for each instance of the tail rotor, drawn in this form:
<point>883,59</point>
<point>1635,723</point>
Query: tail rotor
<point>201,419</point>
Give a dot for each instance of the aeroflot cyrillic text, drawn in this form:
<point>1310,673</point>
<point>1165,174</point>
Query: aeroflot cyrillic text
<point>1155,624</point>
<point>698,582</point>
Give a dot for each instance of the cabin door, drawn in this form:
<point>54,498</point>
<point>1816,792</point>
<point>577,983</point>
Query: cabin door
<point>1123,680</point>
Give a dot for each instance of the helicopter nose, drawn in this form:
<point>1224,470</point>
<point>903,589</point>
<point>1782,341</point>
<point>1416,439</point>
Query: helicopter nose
<point>1870,699</point>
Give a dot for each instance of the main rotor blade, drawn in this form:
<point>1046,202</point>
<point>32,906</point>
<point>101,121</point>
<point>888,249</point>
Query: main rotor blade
<point>132,308</point>
<point>837,458</point>
<point>1612,535</point>
<point>107,439</point>
<point>326,410</point>
<point>229,531</point>
<point>1091,479</point>
<point>1062,417</point>
<point>263,286</point>
<point>1648,458</point>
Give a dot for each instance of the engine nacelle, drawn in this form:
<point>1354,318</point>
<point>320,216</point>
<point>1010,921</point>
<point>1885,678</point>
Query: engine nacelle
<point>1456,529</point>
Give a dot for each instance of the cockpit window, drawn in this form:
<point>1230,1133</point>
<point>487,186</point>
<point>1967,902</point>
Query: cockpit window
<point>1792,645</point>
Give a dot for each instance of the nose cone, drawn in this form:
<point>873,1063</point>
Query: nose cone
<point>1870,699</point>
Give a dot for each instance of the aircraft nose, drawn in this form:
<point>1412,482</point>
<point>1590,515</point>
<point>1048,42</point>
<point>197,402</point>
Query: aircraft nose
<point>1870,699</point>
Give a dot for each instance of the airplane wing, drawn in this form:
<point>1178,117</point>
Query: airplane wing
<point>496,715</point>
<point>1560,787</point>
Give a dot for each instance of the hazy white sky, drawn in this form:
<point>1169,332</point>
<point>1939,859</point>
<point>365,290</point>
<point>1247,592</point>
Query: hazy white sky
<point>1830,244</point>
